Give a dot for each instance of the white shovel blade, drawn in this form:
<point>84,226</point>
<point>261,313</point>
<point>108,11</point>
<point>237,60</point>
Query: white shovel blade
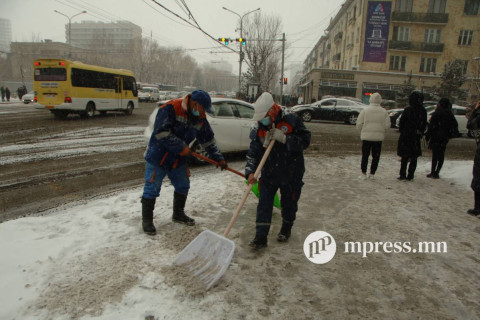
<point>207,257</point>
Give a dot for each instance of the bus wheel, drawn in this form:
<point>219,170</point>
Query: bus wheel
<point>129,110</point>
<point>89,110</point>
<point>60,114</point>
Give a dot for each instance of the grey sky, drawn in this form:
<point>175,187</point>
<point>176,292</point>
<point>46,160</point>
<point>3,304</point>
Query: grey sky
<point>303,21</point>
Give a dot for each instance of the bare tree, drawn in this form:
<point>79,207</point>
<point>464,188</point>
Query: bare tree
<point>263,50</point>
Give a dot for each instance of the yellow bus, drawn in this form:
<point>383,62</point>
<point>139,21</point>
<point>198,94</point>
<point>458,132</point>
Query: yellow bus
<point>66,87</point>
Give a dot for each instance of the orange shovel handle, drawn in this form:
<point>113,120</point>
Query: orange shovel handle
<point>199,156</point>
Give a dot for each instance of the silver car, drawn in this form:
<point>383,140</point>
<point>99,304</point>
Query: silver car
<point>28,97</point>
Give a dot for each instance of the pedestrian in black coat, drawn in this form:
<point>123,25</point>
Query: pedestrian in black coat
<point>441,128</point>
<point>474,124</point>
<point>412,127</point>
<point>7,93</point>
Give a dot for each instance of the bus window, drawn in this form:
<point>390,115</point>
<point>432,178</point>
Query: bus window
<point>130,85</point>
<point>50,74</point>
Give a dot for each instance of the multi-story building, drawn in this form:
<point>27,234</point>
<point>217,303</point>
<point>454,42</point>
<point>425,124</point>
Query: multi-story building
<point>376,45</point>
<point>120,36</point>
<point>5,35</point>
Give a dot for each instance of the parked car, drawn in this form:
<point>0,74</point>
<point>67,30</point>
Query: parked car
<point>148,94</point>
<point>231,123</point>
<point>394,114</point>
<point>335,109</point>
<point>28,97</point>
<point>459,112</point>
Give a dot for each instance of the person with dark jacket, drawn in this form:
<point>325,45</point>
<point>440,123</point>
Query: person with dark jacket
<point>474,124</point>
<point>177,124</point>
<point>7,94</point>
<point>412,127</point>
<point>441,128</point>
<point>283,169</point>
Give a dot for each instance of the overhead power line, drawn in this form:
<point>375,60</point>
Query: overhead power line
<point>195,26</point>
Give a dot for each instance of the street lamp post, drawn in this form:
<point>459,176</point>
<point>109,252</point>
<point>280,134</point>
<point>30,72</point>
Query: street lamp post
<point>70,28</point>
<point>241,51</point>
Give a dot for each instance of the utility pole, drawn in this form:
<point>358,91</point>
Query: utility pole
<point>70,29</point>
<point>283,66</point>
<point>240,60</point>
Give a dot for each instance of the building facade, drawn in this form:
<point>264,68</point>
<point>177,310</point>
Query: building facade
<point>120,36</point>
<point>5,35</point>
<point>376,45</point>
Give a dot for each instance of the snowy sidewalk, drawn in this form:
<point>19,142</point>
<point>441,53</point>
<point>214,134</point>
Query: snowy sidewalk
<point>91,260</point>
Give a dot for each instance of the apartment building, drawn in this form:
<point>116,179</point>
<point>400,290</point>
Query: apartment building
<point>5,35</point>
<point>375,45</point>
<point>120,36</point>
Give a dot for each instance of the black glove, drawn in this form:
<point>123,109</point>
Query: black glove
<point>222,164</point>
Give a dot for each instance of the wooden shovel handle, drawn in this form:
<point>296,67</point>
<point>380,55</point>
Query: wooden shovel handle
<point>199,156</point>
<point>249,187</point>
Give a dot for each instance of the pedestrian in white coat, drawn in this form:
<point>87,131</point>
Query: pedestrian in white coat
<point>372,123</point>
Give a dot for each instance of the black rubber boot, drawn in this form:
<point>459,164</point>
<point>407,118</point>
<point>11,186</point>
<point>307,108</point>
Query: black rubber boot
<point>259,242</point>
<point>178,210</point>
<point>285,232</point>
<point>474,212</point>
<point>147,216</point>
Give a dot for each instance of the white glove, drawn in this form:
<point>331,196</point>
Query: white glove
<point>278,135</point>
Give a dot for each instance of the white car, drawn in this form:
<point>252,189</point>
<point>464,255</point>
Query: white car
<point>148,94</point>
<point>231,124</point>
<point>28,97</point>
<point>460,114</point>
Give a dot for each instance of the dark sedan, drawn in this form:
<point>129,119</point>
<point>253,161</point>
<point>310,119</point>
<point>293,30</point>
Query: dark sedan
<point>333,109</point>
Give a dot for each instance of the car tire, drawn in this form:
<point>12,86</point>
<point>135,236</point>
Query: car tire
<point>89,111</point>
<point>306,116</point>
<point>129,110</point>
<point>352,118</point>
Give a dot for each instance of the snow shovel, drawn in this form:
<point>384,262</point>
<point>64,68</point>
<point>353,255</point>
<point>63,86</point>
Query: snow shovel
<point>256,192</point>
<point>209,254</point>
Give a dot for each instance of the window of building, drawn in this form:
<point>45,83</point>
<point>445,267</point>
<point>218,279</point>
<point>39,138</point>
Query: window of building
<point>401,33</point>
<point>398,63</point>
<point>464,64</point>
<point>358,35</point>
<point>465,37</point>
<point>437,6</point>
<point>428,65</point>
<point>350,63</point>
<point>471,7</point>
<point>404,5</point>
<point>432,35</point>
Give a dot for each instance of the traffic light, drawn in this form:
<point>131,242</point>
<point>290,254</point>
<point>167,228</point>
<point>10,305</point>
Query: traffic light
<point>225,41</point>
<point>243,41</point>
<point>285,80</point>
